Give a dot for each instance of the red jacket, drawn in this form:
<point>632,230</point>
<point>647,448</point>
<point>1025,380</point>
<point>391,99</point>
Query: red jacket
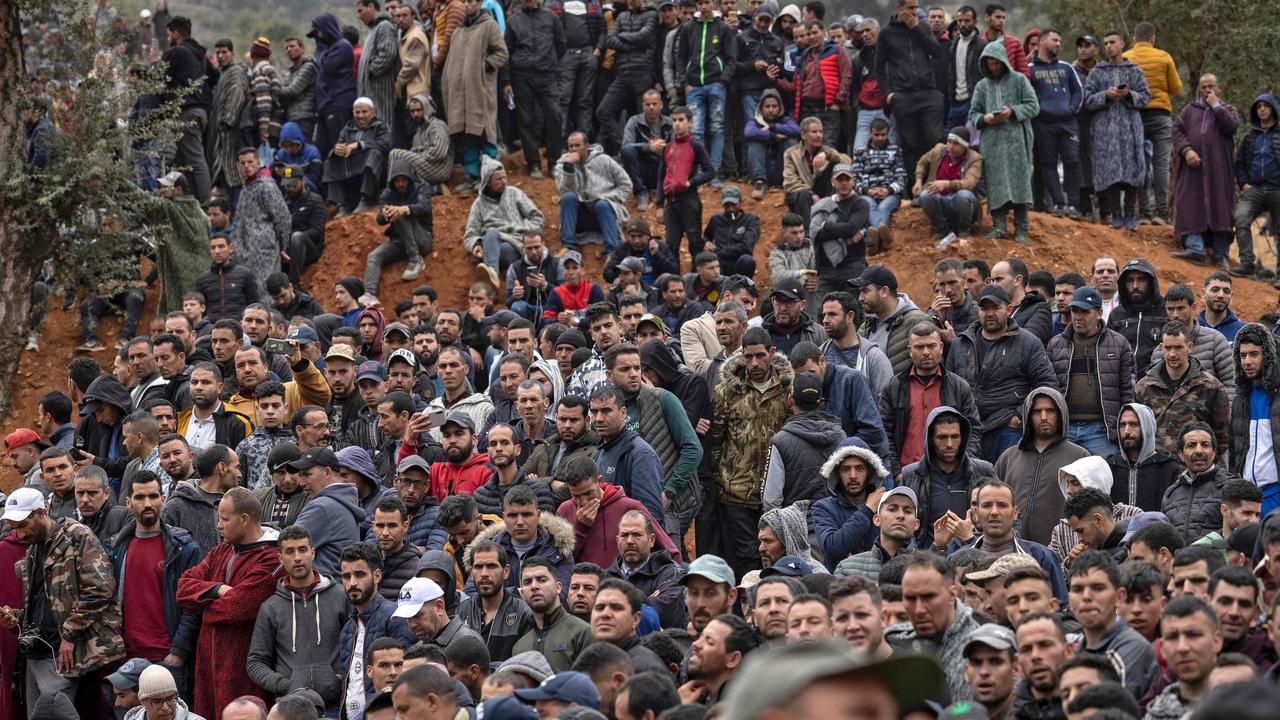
<point>831,76</point>
<point>1012,48</point>
<point>251,571</point>
<point>599,544</point>
<point>449,479</point>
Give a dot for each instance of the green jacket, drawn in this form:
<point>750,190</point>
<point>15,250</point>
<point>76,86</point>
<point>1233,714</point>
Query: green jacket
<point>564,638</point>
<point>183,254</point>
<point>743,424</point>
<point>1007,147</point>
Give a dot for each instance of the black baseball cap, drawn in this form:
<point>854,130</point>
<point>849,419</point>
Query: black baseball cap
<point>790,287</point>
<point>994,293</point>
<point>316,456</point>
<point>807,389</point>
<point>876,275</point>
<point>1087,40</point>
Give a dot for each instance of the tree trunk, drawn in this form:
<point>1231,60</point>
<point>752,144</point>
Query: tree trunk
<point>19,258</point>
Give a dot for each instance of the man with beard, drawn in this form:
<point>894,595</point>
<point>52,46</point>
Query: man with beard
<point>344,402</point>
<point>573,438</point>
<point>989,669</point>
<point>560,635</point>
<point>715,657</point>
<point>463,469</point>
<point>841,315</point>
<point>1141,471</point>
<point>1191,638</point>
<point>421,606</point>
<point>709,591</point>
<point>503,452</point>
<point>1140,313</point>
<point>1217,313</point>
<point>371,619</point>
<point>653,571</point>
<point>208,421</point>
<point>856,606</point>
<point>584,583</point>
<point>1042,647</point>
<point>1094,594</point>
<point>171,360</point>
<point>193,506</point>
<point>494,612</point>
<point>148,383</point>
<point>141,432</point>
<point>458,397</point>
<point>306,238</point>
<point>842,522</point>
<point>149,557</point>
<point>176,459</point>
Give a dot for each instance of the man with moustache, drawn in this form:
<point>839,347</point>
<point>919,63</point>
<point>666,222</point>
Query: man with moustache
<point>715,657</point>
<point>498,615</point>
<point>1042,647</point>
<point>370,620</point>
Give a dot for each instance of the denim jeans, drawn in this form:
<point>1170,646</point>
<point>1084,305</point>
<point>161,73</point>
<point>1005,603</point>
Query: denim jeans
<point>863,136</point>
<point>765,160</point>
<point>498,253</point>
<point>1219,242</point>
<point>407,238</point>
<point>572,213</point>
<point>996,442</point>
<point>958,114</point>
<point>532,313</point>
<point>642,168</point>
<point>956,212</point>
<point>1091,436</point>
<point>707,104</point>
<point>882,209</point>
<point>749,104</point>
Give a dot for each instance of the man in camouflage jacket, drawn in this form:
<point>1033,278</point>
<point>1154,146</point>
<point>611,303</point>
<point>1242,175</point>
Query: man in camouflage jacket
<point>1198,397</point>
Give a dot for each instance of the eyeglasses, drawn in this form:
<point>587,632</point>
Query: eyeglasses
<point>412,483</point>
<point>161,701</point>
<point>315,426</point>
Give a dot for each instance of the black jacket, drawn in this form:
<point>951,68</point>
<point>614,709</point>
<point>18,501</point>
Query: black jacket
<point>895,412</point>
<point>100,440</point>
<point>307,213</point>
<point>658,577</point>
<point>807,329</point>
<point>1015,365</point>
<point>631,39</point>
<point>1140,324</point>
<point>535,39</point>
<point>188,61</point>
<point>933,502</point>
<point>905,58</point>
<point>303,305</point>
<point>519,270</point>
<point>972,66</point>
<point>490,495</point>
<point>754,45</point>
<point>1034,316</point>
<point>734,237</point>
<point>705,52</point>
<point>799,449</point>
<point>398,569</point>
<point>227,290</point>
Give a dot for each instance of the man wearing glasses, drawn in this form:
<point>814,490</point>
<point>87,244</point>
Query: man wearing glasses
<point>413,485</point>
<point>159,697</point>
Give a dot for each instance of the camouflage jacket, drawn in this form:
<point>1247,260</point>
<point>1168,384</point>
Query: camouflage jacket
<point>1200,397</point>
<point>81,590</point>
<point>744,420</point>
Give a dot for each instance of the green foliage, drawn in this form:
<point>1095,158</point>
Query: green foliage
<point>1233,39</point>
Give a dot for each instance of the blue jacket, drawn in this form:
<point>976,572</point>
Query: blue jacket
<point>424,531</point>
<point>842,527</point>
<point>377,623</point>
<point>1229,326</point>
<point>181,553</point>
<point>308,157</point>
<point>1058,88</point>
<point>849,397</point>
<point>335,66</point>
<point>1258,158</point>
<point>333,516</point>
<point>629,462</point>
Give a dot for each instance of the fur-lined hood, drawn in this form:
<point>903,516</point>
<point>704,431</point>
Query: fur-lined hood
<point>1257,334</point>
<point>550,526</point>
<point>734,373</point>
<point>852,447</point>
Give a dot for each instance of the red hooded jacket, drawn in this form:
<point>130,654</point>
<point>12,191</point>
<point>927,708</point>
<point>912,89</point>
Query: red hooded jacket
<point>449,479</point>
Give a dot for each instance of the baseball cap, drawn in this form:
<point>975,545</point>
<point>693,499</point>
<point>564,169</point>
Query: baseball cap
<point>397,327</point>
<point>876,275</point>
<point>631,263</point>
<point>461,419</point>
<point>965,710</point>
<point>571,256</point>
<point>655,321</point>
<point>790,287</point>
<point>506,707</point>
<point>568,686</point>
<point>174,179</point>
<point>21,503</point>
<point>730,194</point>
<point>1086,298</point>
<point>371,370</point>
<point>636,225</point>
<point>842,169</point>
<point>1087,40</point>
<point>316,456</point>
<point>994,293</point>
<point>293,172</point>
<point>405,355</point>
<point>342,351</point>
<point>414,462</point>
<point>24,436</point>
<point>807,389</point>
<point>1002,566</point>
<point>711,567</point>
<point>304,334</point>
<point>1142,520</point>
<point>501,317</point>
<point>281,455</point>
<point>996,637</point>
<point>789,566</point>
<point>908,678</point>
<point>126,678</point>
<point>414,594</point>
<point>899,491</point>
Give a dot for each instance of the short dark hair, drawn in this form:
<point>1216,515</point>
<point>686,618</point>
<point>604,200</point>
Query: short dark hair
<point>295,532</point>
<point>467,650</point>
<point>300,415</point>
<point>1144,31</point>
<point>803,352</point>
<point>1074,279</point>
<point>542,562</point>
<point>1104,696</point>
<point>270,388</point>
<point>611,355</point>
<point>609,391</point>
<point>931,561</point>
<point>362,551</point>
<point>1137,577</point>
<point>83,371</point>
<point>1188,605</point>
<point>1158,536</point>
<point>587,568</point>
<point>599,311</point>
<point>425,680</point>
<point>456,509</point>
<point>1026,573</point>
<point>1212,557</point>
<point>230,324</point>
<point>1094,661</point>
<point>991,9</point>
<point>276,282</point>
<point>58,405</point>
<point>816,7</point>
<point>650,691</point>
<point>1095,560</point>
<point>207,462</point>
<point>520,495</point>
<point>792,220</point>
<point>426,290</point>
<point>1217,276</point>
<point>984,270</point>
<point>1198,425</point>
<point>401,402</point>
<point>601,659</point>
<point>756,336</point>
<point>851,585</point>
<point>1058,625</point>
<point>224,43</point>
<point>392,503</point>
<point>180,24</point>
<point>1085,502</point>
<point>1235,576</point>
<point>635,598</point>
<point>1239,490</point>
<point>681,110</point>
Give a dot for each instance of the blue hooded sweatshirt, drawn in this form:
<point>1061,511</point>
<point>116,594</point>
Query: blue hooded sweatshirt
<point>308,156</point>
<point>335,66</point>
<point>333,516</point>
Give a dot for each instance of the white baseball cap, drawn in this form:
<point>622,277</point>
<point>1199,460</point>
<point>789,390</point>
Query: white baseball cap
<point>21,504</point>
<point>416,593</point>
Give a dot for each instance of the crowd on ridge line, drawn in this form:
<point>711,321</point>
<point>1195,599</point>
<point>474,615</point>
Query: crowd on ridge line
<point>1028,507</point>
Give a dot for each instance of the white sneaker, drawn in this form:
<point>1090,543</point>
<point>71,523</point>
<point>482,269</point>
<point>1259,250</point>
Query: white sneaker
<point>368,300</point>
<point>33,343</point>
<point>413,269</point>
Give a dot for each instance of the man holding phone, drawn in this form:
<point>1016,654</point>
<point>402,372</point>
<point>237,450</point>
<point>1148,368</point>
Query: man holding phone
<point>308,386</point>
<point>531,278</point>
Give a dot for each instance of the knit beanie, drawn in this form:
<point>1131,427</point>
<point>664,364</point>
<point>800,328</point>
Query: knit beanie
<point>531,663</point>
<point>352,285</point>
<point>155,680</point>
<point>791,525</point>
<point>261,49</point>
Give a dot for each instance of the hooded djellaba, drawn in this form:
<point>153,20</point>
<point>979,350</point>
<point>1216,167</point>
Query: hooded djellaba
<point>791,525</point>
<point>430,154</point>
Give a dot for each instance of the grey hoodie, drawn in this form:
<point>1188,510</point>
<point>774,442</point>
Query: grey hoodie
<point>1142,483</point>
<point>296,640</point>
<point>195,511</point>
<point>333,515</point>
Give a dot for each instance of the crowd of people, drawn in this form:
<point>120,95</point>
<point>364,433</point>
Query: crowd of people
<point>1029,496</point>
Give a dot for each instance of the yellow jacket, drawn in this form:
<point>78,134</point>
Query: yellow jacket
<point>1161,72</point>
<point>308,387</point>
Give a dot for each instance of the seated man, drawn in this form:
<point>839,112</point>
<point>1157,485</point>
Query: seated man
<point>732,235</point>
<point>532,277</point>
<point>767,135</point>
<point>499,218</point>
<point>641,244</point>
<point>946,182</point>
<point>706,283</point>
<point>406,212</point>
<point>567,302</point>
<point>430,154</point>
<point>806,168</point>
<point>289,300</point>
<point>643,139</point>
<point>116,288</point>
<point>295,150</point>
<point>593,193</point>
<point>353,172</point>
<point>307,213</point>
<point>880,175</point>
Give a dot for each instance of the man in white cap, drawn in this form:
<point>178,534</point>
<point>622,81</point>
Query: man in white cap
<point>159,697</point>
<point>421,605</point>
<point>896,517</point>
<point>354,170</point>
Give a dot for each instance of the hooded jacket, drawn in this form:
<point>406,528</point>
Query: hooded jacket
<point>333,515</point>
<point>308,156</point>
<point>1139,324</point>
<point>430,153</point>
<point>335,84</point>
<point>450,567</point>
<point>842,527</point>
<point>1192,502</point>
<point>295,640</point>
<point>850,398</point>
<point>1033,474</point>
<point>1014,364</point>
<point>895,412</point>
<point>398,569</point>
<point>666,417</point>
<point>600,177</point>
<point>1142,482</point>
<point>553,453</point>
<point>106,442</point>
<point>424,527</point>
<point>416,196</point>
<point>1092,472</point>
<point>1112,369</point>
<point>1198,397</point>
<point>180,554</point>
<point>512,215</point>
<point>1249,168</point>
<point>193,510</point>
<point>744,420</point>
<point>797,454</point>
<point>598,543</point>
<point>1253,431</point>
<point>658,577</point>
<point>554,542</point>
<point>937,493</point>
<point>450,479</point>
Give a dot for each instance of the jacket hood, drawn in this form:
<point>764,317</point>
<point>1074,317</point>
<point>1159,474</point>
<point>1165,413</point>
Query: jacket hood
<point>1269,99</point>
<point>1147,421</point>
<point>662,359</point>
<point>1257,334</point>
<point>770,92</point>
<point>373,349</point>
<point>820,429</point>
<point>791,524</point>
<point>443,562</point>
<point>770,8</point>
<point>852,447</point>
<point>1092,472</point>
<point>1028,432</point>
<point>428,107</point>
<point>734,371</point>
<point>312,597</point>
<point>557,382</point>
<point>290,132</point>
<point>107,389</point>
<point>354,457</point>
<point>1139,265</point>
<point>966,429</point>
<point>188,490</point>
<point>994,50</point>
<point>559,531</point>
<point>344,494</point>
<point>400,167</point>
<point>327,24</point>
<point>54,707</point>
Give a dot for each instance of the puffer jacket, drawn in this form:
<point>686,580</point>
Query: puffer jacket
<point>797,453</point>
<point>1139,324</point>
<point>1014,365</point>
<point>535,39</point>
<point>398,569</point>
<point>1243,450</point>
<point>744,421</point>
<point>842,527</point>
<point>933,490</point>
<point>895,412</point>
<point>554,542</point>
<point>552,454</point>
<point>1112,366</point>
<point>897,328</point>
<point>631,38</point>
<point>1142,482</point>
<point>658,577</point>
<point>1033,473</point>
<point>1198,397</point>
<point>681,388</point>
<point>512,215</point>
<point>295,640</point>
<point>1034,316</point>
<point>1215,353</point>
<point>378,623</point>
<point>298,91</point>
<point>489,496</point>
<point>1192,503</point>
<point>228,289</point>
